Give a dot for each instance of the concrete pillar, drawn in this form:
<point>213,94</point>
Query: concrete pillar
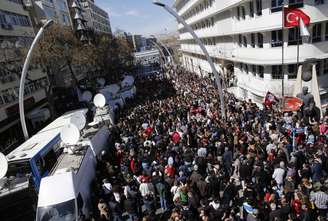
<point>298,83</point>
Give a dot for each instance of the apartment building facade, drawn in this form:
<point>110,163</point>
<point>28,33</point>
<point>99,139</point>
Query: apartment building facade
<point>16,33</point>
<point>244,37</point>
<point>97,18</point>
<point>56,10</point>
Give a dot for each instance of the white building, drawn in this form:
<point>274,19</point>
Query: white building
<point>147,57</point>
<point>97,18</point>
<point>244,37</point>
<point>55,9</point>
<point>16,32</point>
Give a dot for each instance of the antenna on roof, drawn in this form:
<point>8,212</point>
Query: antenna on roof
<point>3,165</point>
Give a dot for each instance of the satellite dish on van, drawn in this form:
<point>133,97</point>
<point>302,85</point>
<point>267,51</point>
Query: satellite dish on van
<point>99,100</point>
<point>3,165</point>
<point>70,134</point>
<point>87,96</point>
<point>101,82</point>
<point>79,120</point>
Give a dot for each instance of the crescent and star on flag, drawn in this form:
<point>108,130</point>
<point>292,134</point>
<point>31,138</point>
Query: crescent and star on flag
<point>294,16</point>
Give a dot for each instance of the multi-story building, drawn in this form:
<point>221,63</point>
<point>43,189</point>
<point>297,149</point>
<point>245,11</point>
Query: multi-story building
<point>97,18</point>
<point>245,38</point>
<point>16,33</point>
<point>136,41</point>
<point>55,9</point>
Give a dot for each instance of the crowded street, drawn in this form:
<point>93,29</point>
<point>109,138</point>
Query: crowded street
<point>175,158</point>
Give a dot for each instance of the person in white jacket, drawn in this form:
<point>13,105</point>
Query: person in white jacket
<point>279,174</point>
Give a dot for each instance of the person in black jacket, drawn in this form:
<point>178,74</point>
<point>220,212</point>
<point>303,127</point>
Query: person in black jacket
<point>130,206</point>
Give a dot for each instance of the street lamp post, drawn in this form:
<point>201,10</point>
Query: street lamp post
<point>201,45</point>
<point>23,77</point>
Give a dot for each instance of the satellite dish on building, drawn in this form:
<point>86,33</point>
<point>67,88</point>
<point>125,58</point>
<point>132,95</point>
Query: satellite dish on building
<point>79,120</point>
<point>87,96</point>
<point>70,134</point>
<point>99,100</point>
<point>101,82</point>
<point>3,165</point>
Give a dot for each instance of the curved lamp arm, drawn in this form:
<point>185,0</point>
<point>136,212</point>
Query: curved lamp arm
<point>23,76</point>
<point>201,45</point>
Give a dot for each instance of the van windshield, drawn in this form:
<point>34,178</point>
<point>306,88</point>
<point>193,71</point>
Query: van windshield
<point>60,212</point>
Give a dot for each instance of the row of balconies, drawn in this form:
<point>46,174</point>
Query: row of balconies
<point>262,56</point>
<point>229,24</point>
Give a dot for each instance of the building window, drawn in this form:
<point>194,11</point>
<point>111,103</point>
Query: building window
<point>326,32</point>
<point>254,70</point>
<point>253,40</point>
<point>319,2</point>
<point>259,7</point>
<point>316,33</point>
<point>260,71</point>
<point>243,12</point>
<point>296,3</point>
<point>294,36</point>
<point>325,66</point>
<point>259,40</point>
<point>292,71</point>
<point>276,72</point>
<point>251,9</point>
<point>50,12</point>
<point>276,38</point>
<point>276,5</point>
<point>245,41</point>
<point>318,68</point>
<point>246,68</point>
<point>238,13</point>
<point>239,40</point>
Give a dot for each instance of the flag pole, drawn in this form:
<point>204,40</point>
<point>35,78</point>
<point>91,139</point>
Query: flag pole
<point>298,45</point>
<point>283,51</point>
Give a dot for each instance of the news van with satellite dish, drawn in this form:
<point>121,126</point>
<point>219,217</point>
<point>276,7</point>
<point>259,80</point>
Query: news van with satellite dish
<point>65,194</point>
<point>104,114</point>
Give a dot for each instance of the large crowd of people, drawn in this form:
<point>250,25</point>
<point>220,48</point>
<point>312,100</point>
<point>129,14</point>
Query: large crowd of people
<point>175,158</point>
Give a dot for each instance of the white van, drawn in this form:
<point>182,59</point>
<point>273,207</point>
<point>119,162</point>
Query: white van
<point>65,195</point>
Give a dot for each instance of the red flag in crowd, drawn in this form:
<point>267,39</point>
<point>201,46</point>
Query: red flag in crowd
<point>293,16</point>
<point>176,137</point>
<point>270,99</point>
<point>149,131</point>
<point>290,104</point>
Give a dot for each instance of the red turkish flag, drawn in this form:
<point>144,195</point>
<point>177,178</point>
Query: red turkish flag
<point>291,104</point>
<point>292,17</point>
